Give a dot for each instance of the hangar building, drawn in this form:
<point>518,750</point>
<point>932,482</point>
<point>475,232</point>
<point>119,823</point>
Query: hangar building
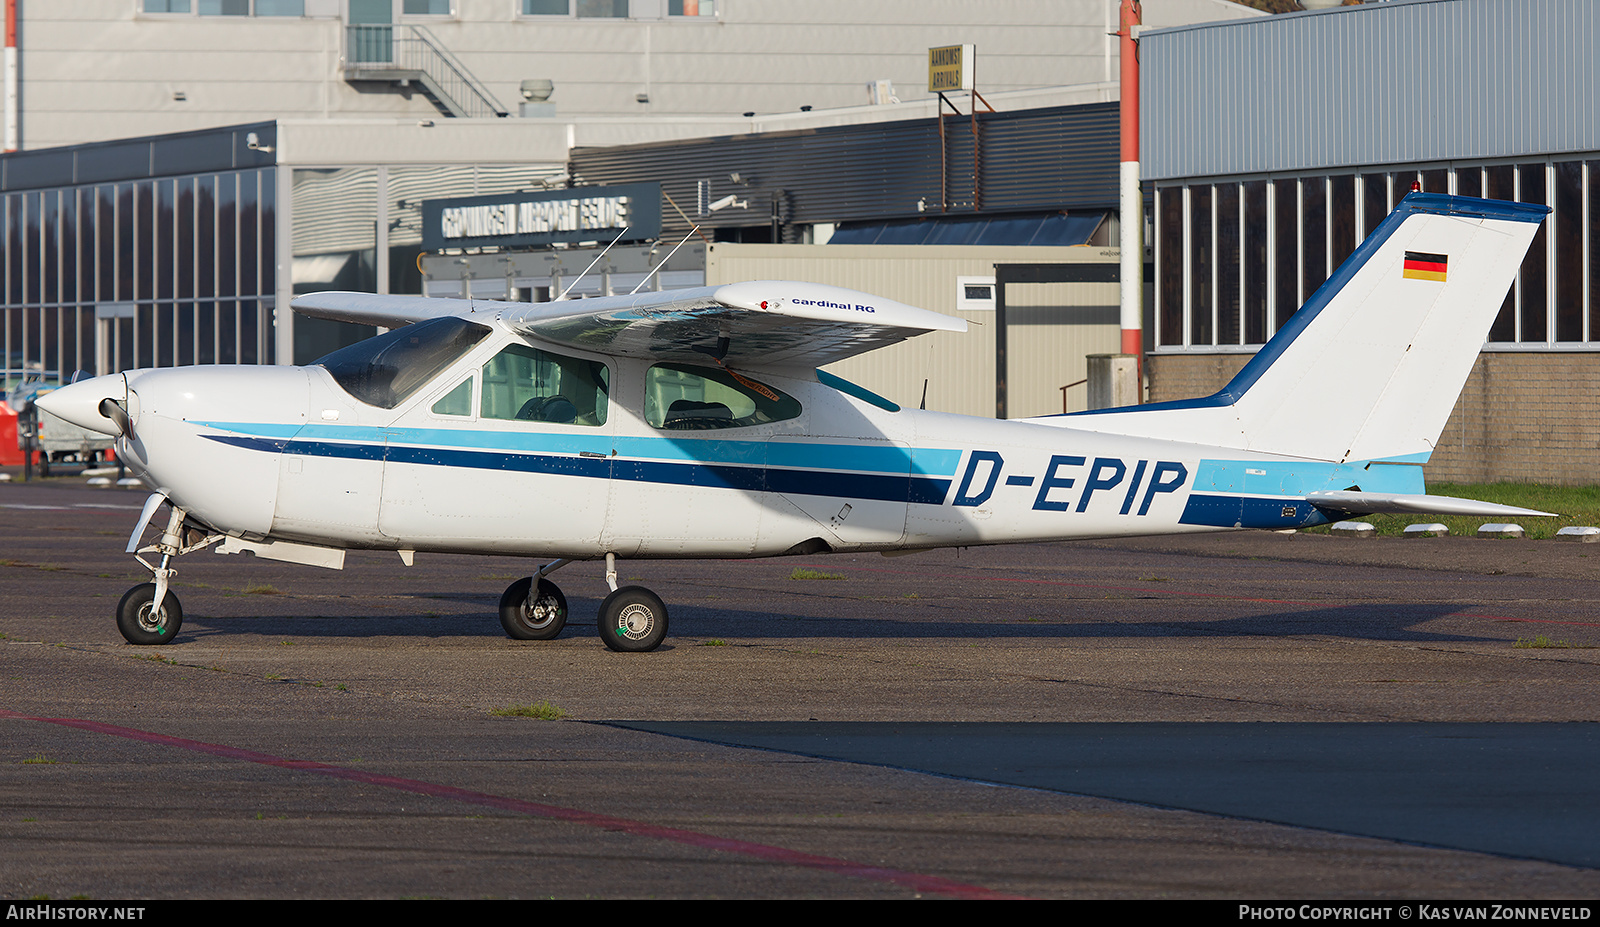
<point>184,167</point>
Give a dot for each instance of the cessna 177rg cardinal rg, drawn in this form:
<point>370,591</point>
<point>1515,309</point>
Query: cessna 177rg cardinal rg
<point>695,424</point>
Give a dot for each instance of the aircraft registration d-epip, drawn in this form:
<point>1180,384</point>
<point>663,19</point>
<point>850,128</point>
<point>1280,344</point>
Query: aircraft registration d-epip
<point>696,424</point>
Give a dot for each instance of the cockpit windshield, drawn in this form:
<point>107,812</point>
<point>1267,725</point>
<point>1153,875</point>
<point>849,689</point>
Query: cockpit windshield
<point>383,371</point>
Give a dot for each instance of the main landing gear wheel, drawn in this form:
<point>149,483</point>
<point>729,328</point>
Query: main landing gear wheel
<point>140,625</point>
<point>541,620</point>
<point>633,620</point>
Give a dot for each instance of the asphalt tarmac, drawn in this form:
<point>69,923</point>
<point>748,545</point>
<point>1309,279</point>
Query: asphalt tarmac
<point>1238,716</point>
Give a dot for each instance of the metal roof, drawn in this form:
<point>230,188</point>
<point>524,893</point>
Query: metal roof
<point>1061,157</point>
<point>1381,83</point>
<point>222,149</point>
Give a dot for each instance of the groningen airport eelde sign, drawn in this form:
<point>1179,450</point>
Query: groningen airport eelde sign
<point>526,220</point>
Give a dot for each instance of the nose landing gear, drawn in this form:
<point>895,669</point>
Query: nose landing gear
<point>142,622</point>
<point>149,613</point>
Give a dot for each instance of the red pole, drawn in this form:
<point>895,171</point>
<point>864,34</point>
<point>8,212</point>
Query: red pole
<point>1131,200</point>
<point>1132,16</point>
<point>13,91</point>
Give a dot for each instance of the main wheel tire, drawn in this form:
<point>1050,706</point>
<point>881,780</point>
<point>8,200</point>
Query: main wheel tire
<point>633,620</point>
<point>142,627</point>
<point>541,622</point>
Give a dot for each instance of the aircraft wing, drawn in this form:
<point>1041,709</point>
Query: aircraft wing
<point>1381,503</point>
<point>765,323</point>
<point>387,311</point>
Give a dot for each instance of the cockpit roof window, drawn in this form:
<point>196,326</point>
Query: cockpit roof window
<point>383,371</point>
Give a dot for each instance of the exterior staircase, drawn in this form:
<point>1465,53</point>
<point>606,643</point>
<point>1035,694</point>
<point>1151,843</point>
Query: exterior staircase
<point>410,56</point>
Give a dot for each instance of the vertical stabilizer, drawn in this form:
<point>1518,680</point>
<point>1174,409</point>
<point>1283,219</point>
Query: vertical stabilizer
<point>1371,366</point>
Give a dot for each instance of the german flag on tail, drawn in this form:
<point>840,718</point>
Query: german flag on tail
<point>1420,265</point>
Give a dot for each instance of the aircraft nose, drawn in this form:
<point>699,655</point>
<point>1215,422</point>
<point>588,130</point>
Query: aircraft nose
<point>79,403</point>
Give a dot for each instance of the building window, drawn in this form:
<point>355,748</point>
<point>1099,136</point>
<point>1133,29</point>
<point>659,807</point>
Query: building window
<point>243,8</point>
<point>1200,265</point>
<point>1236,257</point>
<point>619,9</point>
<point>140,273</point>
<point>1255,271</point>
<point>426,7</point>
<point>975,294</point>
<point>601,9</point>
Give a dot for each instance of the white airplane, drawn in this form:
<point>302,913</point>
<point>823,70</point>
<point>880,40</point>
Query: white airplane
<point>695,424</point>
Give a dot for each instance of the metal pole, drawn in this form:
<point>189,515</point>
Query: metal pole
<point>13,89</point>
<point>1131,200</point>
<point>1000,343</point>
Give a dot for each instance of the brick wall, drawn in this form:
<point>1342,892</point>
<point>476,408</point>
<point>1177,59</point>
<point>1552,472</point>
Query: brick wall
<point>1525,416</point>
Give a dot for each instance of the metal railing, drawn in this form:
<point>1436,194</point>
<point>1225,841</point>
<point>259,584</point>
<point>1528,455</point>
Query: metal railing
<point>409,52</point>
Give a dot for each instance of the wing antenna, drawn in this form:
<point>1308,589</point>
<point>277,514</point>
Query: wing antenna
<point>576,280</point>
<point>663,262</point>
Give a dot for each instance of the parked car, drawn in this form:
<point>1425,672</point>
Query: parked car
<point>56,440</point>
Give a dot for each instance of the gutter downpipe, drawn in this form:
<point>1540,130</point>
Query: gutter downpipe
<point>1131,202</point>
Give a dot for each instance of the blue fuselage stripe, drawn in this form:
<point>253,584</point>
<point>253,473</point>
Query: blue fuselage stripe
<point>1250,512</point>
<point>882,487</point>
<point>817,454</point>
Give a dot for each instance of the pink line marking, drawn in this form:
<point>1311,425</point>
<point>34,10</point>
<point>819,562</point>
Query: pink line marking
<point>844,867</point>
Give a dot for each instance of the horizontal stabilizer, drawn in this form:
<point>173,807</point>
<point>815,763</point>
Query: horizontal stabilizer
<point>1381,503</point>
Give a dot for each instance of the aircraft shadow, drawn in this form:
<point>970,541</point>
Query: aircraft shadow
<point>1358,621</point>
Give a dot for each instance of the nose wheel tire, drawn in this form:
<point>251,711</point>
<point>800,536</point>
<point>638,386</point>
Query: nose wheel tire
<point>142,625</point>
<point>633,620</point>
<point>540,621</point>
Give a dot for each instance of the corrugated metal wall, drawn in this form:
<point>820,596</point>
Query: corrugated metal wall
<point>1382,83</point>
<point>198,152</point>
<point>1031,160</point>
<point>1052,327</point>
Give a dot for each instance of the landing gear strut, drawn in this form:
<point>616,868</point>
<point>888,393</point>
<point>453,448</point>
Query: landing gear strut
<point>632,618</point>
<point>149,613</point>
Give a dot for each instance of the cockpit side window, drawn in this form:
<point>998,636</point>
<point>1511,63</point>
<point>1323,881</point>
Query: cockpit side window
<point>385,370</point>
<point>680,397</point>
<point>456,402</point>
<point>524,383</point>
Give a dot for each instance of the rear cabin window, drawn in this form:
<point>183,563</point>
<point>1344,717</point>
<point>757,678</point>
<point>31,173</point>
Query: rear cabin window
<point>527,384</point>
<point>680,397</point>
<point>385,370</point>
